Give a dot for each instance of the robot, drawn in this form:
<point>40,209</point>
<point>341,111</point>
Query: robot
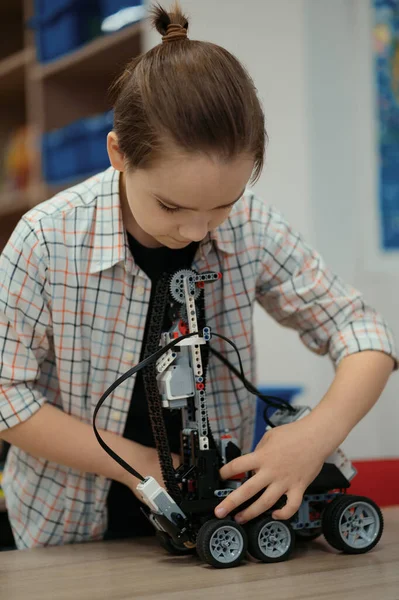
<point>182,513</point>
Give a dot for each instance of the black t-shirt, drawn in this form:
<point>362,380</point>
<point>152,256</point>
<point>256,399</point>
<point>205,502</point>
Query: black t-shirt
<point>124,515</point>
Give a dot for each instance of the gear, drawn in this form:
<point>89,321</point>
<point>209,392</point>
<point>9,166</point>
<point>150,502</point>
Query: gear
<point>176,285</point>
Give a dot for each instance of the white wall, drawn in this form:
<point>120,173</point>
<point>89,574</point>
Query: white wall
<point>344,158</point>
<point>309,62</point>
<point>376,275</point>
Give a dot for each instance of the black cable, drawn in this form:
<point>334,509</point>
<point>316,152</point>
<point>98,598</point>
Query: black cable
<point>150,359</point>
<point>247,383</point>
<point>129,373</point>
<point>249,386</point>
<point>266,418</point>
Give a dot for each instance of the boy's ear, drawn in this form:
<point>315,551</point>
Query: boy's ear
<point>116,156</point>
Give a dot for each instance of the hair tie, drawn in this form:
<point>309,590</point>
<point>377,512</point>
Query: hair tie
<point>174,32</point>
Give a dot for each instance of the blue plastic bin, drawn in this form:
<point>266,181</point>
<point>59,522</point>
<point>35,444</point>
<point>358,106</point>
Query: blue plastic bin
<point>285,393</point>
<point>64,25</point>
<point>77,150</point>
<point>96,130</point>
<point>110,7</point>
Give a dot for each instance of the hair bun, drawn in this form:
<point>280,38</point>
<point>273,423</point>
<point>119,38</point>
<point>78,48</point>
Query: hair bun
<point>162,19</point>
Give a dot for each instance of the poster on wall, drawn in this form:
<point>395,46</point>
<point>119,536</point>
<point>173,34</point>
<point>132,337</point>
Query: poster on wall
<point>386,62</point>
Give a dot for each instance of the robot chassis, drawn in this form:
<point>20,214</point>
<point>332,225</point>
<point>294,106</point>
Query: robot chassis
<point>183,514</point>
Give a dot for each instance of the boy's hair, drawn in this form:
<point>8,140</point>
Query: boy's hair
<point>193,94</point>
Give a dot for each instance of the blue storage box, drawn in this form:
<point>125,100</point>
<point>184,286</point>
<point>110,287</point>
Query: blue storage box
<point>64,25</point>
<point>117,14</point>
<point>77,150</point>
<point>285,393</point>
<point>110,7</point>
<point>95,131</point>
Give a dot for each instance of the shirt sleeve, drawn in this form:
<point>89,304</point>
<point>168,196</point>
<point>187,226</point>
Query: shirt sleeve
<point>299,291</point>
<point>24,325</point>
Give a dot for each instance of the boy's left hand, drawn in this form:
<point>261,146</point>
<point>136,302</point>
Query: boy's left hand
<point>286,461</point>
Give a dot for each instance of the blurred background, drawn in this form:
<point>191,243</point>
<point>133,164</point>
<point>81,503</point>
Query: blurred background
<point>327,73</point>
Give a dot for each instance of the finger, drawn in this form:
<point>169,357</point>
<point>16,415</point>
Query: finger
<point>294,499</point>
<point>240,495</point>
<point>266,501</point>
<point>263,440</point>
<point>238,465</point>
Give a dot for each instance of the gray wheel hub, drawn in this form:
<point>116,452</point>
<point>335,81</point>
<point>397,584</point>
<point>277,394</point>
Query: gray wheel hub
<point>226,544</point>
<point>274,539</point>
<point>359,525</point>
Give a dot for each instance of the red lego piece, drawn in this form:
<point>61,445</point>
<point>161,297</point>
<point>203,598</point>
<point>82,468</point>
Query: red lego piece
<point>183,328</point>
<point>238,477</point>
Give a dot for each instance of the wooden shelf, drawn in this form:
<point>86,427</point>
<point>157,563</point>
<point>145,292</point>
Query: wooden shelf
<point>14,202</point>
<point>43,191</point>
<point>8,7</point>
<point>97,58</point>
<point>11,19</point>
<point>76,85</point>
<point>52,95</point>
<point>12,72</point>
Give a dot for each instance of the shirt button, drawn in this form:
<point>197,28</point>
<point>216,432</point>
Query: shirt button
<point>116,415</point>
<point>140,290</point>
<point>129,356</point>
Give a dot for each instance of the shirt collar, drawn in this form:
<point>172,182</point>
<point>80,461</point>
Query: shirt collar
<point>223,236</point>
<point>110,241</point>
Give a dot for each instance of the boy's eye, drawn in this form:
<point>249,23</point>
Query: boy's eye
<point>167,208</point>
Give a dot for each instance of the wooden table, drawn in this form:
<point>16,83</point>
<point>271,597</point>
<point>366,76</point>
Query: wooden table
<point>141,569</point>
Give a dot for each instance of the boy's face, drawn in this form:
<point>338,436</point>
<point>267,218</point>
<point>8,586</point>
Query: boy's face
<point>180,198</point>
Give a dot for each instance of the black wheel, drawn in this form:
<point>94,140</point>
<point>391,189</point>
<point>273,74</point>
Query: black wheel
<point>170,546</point>
<point>222,543</point>
<point>269,540</point>
<point>352,524</point>
<point>308,535</point>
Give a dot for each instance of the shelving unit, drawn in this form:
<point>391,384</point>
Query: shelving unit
<point>97,64</point>
<point>96,54</point>
<point>12,73</point>
<point>15,57</point>
<point>49,96</point>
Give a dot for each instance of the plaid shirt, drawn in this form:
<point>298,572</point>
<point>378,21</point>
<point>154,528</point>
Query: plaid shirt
<point>73,307</point>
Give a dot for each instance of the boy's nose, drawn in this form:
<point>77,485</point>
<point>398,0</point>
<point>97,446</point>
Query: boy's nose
<point>194,232</point>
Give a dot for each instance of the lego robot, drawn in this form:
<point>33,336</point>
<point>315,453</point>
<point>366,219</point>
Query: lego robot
<point>183,517</point>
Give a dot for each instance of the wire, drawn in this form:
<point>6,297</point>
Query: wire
<point>112,387</point>
<point>152,358</point>
<point>266,418</point>
<point>240,374</point>
<point>249,388</point>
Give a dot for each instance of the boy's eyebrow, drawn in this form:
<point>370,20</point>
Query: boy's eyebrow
<point>167,201</point>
